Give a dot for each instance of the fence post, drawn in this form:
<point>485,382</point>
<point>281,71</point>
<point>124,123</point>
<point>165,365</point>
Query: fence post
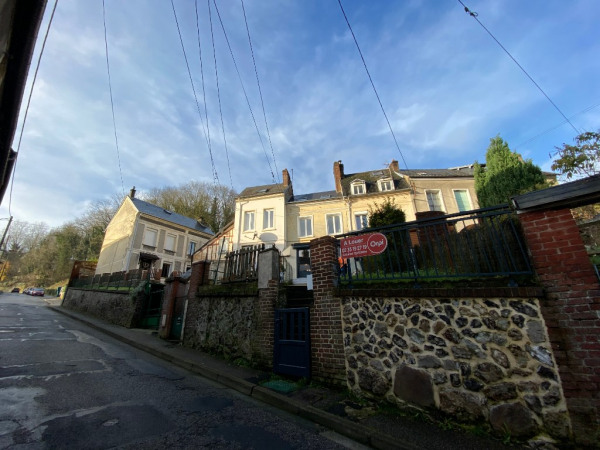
<point>571,311</point>
<point>268,289</point>
<point>327,346</point>
<point>168,307</point>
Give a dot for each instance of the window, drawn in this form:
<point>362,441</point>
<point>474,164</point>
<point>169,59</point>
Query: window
<point>358,187</point>
<point>305,226</point>
<point>462,199</point>
<point>434,200</point>
<point>386,185</point>
<point>268,218</point>
<point>249,221</point>
<point>166,270</point>
<point>334,223</point>
<point>191,248</point>
<point>170,243</point>
<point>150,237</point>
<point>361,221</point>
<point>303,262</point>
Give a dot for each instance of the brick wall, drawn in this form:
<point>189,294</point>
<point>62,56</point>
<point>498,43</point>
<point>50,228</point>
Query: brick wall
<point>327,347</point>
<point>571,312</point>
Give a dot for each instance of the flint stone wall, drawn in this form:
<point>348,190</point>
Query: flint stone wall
<point>223,325</point>
<point>475,359</point>
<point>119,308</point>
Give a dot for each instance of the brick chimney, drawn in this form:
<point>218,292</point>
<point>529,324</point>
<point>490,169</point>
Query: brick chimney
<point>287,181</point>
<point>338,174</point>
<point>394,165</point>
<point>132,192</point>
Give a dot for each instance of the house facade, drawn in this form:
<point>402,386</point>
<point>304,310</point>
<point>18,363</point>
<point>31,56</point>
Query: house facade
<point>141,232</point>
<point>274,215</point>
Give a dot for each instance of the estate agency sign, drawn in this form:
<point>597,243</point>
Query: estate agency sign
<point>363,245</point>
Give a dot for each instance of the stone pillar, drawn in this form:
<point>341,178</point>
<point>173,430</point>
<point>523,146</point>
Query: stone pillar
<point>265,323</point>
<point>571,312</point>
<point>327,346</point>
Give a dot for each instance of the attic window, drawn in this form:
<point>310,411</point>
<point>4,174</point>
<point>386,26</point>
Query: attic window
<point>421,173</point>
<point>377,173</point>
<point>167,211</point>
<point>325,196</point>
<point>385,184</point>
<point>262,190</point>
<point>358,187</point>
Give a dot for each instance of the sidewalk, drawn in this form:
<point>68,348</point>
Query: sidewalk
<point>364,422</point>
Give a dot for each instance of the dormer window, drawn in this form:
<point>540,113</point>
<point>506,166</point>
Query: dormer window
<point>385,184</point>
<point>358,187</point>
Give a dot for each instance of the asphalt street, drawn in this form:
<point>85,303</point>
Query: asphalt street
<point>65,385</point>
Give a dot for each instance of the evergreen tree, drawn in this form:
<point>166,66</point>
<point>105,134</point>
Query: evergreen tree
<point>385,214</point>
<point>505,174</point>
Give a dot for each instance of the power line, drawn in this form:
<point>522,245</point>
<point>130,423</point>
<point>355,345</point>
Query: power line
<point>244,89</point>
<point>112,105</point>
<point>212,35</point>
<point>372,84</point>
<point>212,162</point>
<point>37,68</point>
<point>260,90</point>
<point>589,108</point>
<point>474,16</point>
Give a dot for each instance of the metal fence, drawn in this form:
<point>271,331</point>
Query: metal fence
<point>121,281</point>
<point>480,243</point>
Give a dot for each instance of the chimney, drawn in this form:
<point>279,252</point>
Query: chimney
<point>132,192</point>
<point>286,178</point>
<point>338,174</point>
<point>394,166</point>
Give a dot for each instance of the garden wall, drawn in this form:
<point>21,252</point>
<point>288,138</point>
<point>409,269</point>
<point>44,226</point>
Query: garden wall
<point>478,359</point>
<point>119,308</point>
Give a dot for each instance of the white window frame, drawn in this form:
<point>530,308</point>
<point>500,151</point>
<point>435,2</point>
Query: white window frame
<point>309,220</point>
<point>334,231</point>
<point>358,187</point>
<point>362,225</point>
<point>147,241</point>
<point>268,219</point>
<point>249,226</point>
<point>470,203</point>
<point>385,184</point>
<point>440,197</point>
<point>173,238</point>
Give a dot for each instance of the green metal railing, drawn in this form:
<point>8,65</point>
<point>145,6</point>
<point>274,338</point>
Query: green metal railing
<point>119,281</point>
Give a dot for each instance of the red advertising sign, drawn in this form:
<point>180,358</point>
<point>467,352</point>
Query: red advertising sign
<point>363,245</point>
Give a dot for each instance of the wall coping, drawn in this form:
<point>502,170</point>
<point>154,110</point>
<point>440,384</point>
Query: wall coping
<point>459,292</point>
<point>107,291</point>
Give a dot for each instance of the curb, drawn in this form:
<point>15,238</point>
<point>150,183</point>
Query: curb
<point>352,430</point>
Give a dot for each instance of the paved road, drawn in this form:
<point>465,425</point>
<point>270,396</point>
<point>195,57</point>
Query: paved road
<point>64,385</point>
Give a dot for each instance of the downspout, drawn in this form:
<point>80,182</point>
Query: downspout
<point>239,233</point>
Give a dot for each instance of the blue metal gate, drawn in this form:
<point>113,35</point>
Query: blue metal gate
<point>292,342</point>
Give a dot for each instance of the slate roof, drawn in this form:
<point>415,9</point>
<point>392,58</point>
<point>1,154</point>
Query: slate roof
<point>169,216</point>
<point>259,191</point>
<point>463,171</point>
<point>325,195</point>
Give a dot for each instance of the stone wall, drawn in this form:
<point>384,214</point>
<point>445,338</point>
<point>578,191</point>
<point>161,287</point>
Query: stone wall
<point>223,325</point>
<point>477,359</point>
<point>120,308</point>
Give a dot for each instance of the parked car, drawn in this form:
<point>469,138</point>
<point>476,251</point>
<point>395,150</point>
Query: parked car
<point>27,290</point>
<point>37,292</point>
<point>15,290</point>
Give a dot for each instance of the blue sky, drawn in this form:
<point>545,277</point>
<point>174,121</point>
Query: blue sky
<point>446,86</point>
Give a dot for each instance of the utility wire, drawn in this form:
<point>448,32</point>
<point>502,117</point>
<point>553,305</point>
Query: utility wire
<point>372,84</point>
<point>244,90</point>
<point>212,162</point>
<point>212,35</point>
<point>260,91</point>
<point>112,104</point>
<point>37,68</point>
<point>589,108</point>
<point>474,16</point>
